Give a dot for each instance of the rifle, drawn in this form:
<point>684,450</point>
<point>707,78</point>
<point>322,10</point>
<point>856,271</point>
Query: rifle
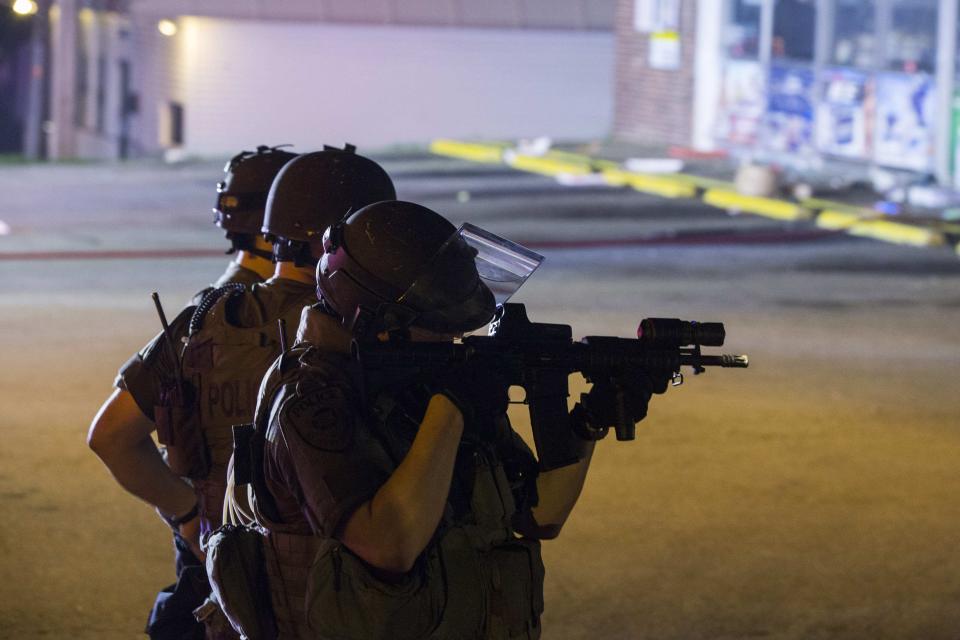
<point>539,357</point>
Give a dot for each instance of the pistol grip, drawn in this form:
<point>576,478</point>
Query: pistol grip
<point>557,444</point>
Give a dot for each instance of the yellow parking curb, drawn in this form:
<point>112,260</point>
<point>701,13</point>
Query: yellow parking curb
<point>837,220</point>
<point>546,165</point>
<point>666,186</point>
<point>866,225</point>
<point>828,214</point>
<point>769,207</point>
<point>819,204</point>
<point>490,153</point>
<point>597,164</point>
<point>898,233</point>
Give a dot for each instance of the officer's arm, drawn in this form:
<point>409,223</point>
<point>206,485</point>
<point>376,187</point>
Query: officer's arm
<point>391,529</point>
<point>120,436</point>
<point>558,491</point>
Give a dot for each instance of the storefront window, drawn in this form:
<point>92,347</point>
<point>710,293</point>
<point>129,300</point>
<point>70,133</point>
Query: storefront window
<point>854,34</point>
<point>794,26</point>
<point>912,43</point>
<point>742,35</point>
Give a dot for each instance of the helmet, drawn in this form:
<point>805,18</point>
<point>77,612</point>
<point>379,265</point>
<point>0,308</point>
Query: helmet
<point>396,264</point>
<point>242,194</point>
<point>315,191</point>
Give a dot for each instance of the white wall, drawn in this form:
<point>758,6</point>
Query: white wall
<point>524,14</point>
<point>103,36</point>
<point>246,83</point>
<point>708,73</point>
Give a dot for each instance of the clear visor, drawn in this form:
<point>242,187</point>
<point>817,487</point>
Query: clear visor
<point>503,265</point>
<point>438,296</point>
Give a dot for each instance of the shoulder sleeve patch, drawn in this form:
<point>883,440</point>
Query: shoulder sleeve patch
<point>321,417</point>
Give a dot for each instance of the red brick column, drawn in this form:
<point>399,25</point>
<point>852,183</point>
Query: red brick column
<point>653,106</point>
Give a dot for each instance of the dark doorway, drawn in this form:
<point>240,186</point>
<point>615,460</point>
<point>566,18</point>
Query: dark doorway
<point>176,124</point>
<point>14,78</point>
<point>128,107</point>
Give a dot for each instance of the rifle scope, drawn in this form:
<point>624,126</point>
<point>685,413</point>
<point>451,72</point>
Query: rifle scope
<point>671,332</point>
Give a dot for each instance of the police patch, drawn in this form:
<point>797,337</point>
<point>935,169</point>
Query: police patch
<point>321,417</point>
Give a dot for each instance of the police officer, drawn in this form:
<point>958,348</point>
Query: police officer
<point>199,379</point>
<point>411,512</point>
<point>241,200</point>
<point>239,209</point>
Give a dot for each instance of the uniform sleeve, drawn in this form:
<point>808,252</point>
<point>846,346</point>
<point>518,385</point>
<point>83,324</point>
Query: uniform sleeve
<point>320,452</point>
<point>145,373</point>
<point>263,303</point>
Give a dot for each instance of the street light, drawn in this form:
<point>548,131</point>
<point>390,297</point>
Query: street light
<point>166,27</point>
<point>25,7</point>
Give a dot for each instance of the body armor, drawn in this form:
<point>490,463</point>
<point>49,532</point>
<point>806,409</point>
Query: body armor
<point>474,580</point>
<point>222,365</point>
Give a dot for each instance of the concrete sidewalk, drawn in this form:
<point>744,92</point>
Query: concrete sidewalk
<point>148,209</point>
<point>709,180</point>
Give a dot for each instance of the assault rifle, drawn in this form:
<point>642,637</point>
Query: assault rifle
<point>539,357</point>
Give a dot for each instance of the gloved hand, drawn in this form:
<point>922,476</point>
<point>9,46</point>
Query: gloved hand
<point>478,390</point>
<point>601,401</point>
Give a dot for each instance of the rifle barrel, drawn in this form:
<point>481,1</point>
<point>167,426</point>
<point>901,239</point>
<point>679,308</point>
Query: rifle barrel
<point>726,360</point>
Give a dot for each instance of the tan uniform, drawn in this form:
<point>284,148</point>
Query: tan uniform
<point>145,376</point>
<point>233,273</point>
<point>325,454</point>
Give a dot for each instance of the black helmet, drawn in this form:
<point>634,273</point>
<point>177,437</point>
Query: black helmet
<point>242,194</point>
<point>396,264</point>
<point>315,191</point>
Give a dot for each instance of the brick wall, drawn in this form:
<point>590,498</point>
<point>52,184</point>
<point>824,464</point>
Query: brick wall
<point>653,106</point>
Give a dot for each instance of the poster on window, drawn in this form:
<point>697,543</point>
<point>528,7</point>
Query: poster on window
<point>742,103</point>
<point>664,50</point>
<point>906,106</point>
<point>843,114</point>
<point>788,124</point>
<point>656,15</point>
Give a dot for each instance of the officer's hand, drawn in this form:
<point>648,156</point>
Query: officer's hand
<point>600,402</point>
<point>659,379</point>
<point>479,391</point>
<point>190,532</point>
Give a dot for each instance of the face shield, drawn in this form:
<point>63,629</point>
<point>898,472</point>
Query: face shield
<point>491,267</point>
<point>503,265</point>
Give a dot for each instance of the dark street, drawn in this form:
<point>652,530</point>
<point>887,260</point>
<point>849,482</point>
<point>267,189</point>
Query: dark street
<point>812,495</point>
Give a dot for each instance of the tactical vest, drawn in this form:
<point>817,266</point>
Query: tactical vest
<point>223,365</point>
<point>474,580</point>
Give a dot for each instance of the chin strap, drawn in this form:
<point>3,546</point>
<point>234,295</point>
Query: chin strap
<point>245,242</point>
<point>293,251</point>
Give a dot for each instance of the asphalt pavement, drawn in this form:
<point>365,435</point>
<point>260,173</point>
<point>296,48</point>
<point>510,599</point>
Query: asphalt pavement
<point>810,496</point>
